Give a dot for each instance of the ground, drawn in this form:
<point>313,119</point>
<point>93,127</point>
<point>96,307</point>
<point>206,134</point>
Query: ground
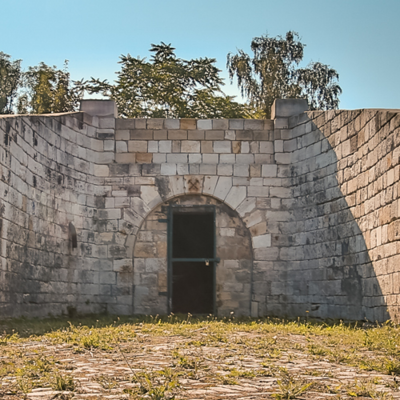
<point>188,358</point>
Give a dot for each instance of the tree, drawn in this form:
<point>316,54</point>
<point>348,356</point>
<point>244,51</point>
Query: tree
<point>272,74</point>
<point>49,90</point>
<point>167,86</point>
<point>10,80</point>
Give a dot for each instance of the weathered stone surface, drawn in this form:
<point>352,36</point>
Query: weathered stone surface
<point>310,202</point>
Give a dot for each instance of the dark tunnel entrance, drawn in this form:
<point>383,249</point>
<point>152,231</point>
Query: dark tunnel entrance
<point>192,264</point>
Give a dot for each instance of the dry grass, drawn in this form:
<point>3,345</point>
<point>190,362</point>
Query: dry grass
<point>184,357</point>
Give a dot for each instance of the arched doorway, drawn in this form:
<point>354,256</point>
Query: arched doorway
<point>193,254</point>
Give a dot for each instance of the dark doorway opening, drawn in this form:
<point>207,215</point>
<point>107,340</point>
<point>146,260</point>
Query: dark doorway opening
<point>192,272</point>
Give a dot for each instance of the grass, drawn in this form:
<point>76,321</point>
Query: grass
<point>208,351</point>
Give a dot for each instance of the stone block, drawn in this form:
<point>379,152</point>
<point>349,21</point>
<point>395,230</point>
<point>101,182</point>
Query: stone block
<point>244,135</point>
<point>254,124</point>
<point>236,124</point>
<point>269,170</point>
<point>155,123</point>
<point>196,135</point>
<point>194,158</point>
<point>124,124</point>
<point>145,158</point>
<point>177,158</point>
<point>244,158</point>
<point>168,169</point>
<point>282,158</point>
<point>165,146</point>
<point>215,135</point>
<point>176,146</point>
<point>281,123</point>
<point>106,123</point>
<point>207,147</point>
<point>128,158</point>
<point>152,146</point>
<point>188,123</point>
<point>280,192</point>
<point>220,124</point>
<point>230,135</point>
<point>257,191</point>
<point>278,146</point>
<point>177,134</point>
<point>190,146</point>
<point>210,158</point>
<point>161,134</point>
<point>121,147</point>
<point>241,170</point>
<point>208,169</point>
<point>140,134</point>
<point>245,147</point>
<point>99,107</point>
<point>235,196</point>
<point>101,170</point>
<point>172,124</point>
<point>182,169</point>
<point>262,241</point>
<point>137,146</point>
<point>223,187</point>
<point>209,184</point>
<point>225,169</point>
<point>290,145</point>
<point>204,124</point>
<point>284,108</point>
<point>222,146</point>
<point>227,158</point>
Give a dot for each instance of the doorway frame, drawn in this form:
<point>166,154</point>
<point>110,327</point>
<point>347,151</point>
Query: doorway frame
<point>185,208</point>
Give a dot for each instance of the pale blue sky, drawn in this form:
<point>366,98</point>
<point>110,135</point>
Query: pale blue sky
<point>359,38</point>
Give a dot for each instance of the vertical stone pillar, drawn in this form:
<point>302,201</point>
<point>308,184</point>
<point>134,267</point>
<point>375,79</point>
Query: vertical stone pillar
<point>281,111</point>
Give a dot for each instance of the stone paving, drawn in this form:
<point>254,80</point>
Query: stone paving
<point>216,370</point>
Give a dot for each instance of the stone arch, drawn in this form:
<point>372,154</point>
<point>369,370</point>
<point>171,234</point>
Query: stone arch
<point>238,199</point>
<point>165,188</point>
<point>233,272</point>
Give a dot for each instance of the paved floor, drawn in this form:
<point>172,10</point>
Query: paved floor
<point>217,370</point>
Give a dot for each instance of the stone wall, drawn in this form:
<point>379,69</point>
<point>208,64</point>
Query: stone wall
<point>307,210</point>
<point>345,176</point>
<point>47,182</point>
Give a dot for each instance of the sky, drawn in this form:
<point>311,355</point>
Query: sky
<point>358,38</point>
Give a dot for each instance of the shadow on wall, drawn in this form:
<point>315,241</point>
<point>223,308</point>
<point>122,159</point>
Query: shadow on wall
<point>335,272</point>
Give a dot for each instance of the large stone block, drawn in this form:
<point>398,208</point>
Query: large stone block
<point>284,108</point>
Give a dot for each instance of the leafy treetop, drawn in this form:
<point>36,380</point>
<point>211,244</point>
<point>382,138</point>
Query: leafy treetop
<point>273,73</point>
<point>167,86</point>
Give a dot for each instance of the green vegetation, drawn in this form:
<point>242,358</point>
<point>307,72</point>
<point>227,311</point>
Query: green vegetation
<point>47,90</point>
<point>273,73</point>
<point>170,87</point>
<point>163,357</point>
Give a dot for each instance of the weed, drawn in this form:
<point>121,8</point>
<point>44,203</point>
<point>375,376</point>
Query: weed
<point>364,388</point>
<point>290,387</point>
<point>107,382</point>
<point>61,382</point>
<point>157,385</point>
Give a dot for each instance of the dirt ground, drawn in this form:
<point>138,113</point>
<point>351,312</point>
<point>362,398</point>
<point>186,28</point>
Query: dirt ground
<point>205,364</point>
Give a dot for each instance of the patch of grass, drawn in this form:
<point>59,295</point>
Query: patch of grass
<point>62,382</point>
<point>157,385</point>
<point>365,388</point>
<point>290,387</point>
<point>208,349</point>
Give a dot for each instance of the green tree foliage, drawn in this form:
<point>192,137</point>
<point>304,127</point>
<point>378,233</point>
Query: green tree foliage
<point>10,79</point>
<point>273,73</point>
<point>49,90</point>
<point>167,86</point>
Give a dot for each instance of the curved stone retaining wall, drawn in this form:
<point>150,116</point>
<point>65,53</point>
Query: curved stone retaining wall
<point>312,198</point>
